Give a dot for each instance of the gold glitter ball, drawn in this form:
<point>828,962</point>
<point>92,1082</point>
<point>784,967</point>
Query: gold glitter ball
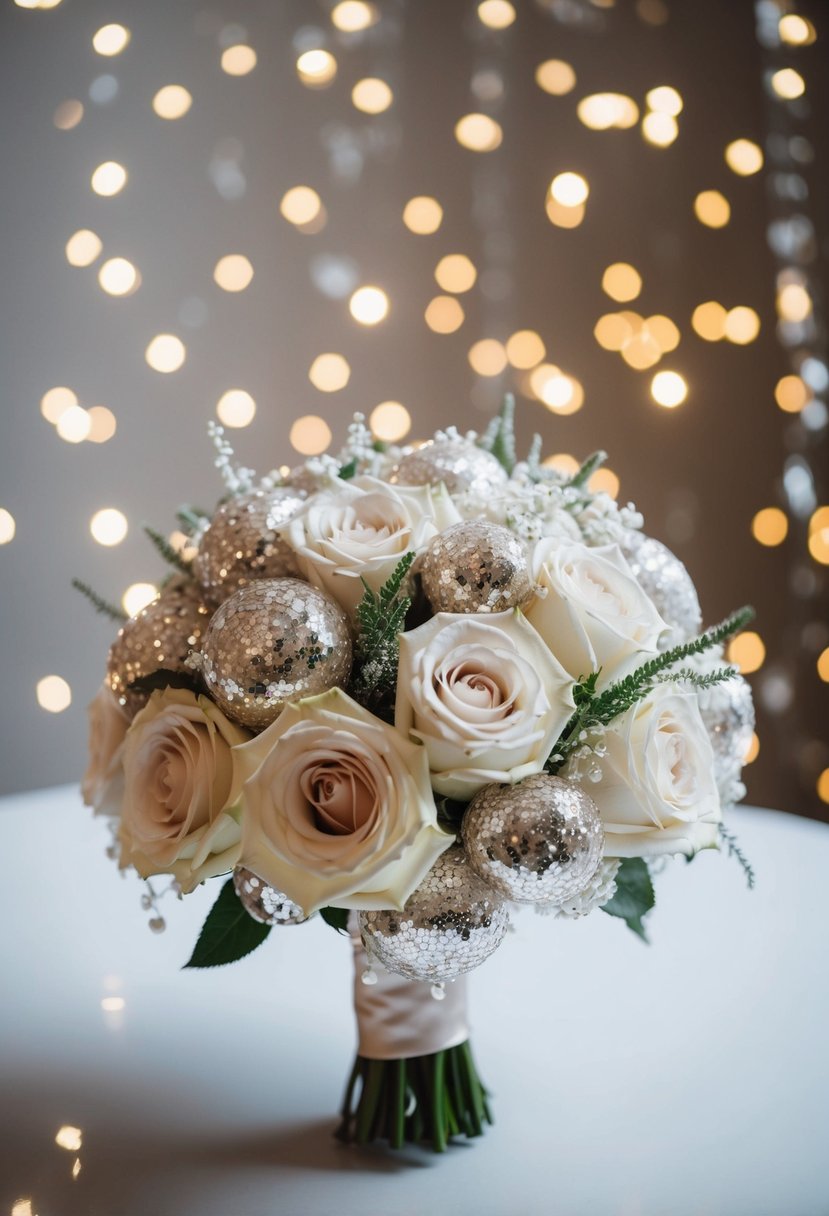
<point>160,636</point>
<point>540,841</point>
<point>274,641</point>
<point>460,465</point>
<point>264,903</point>
<point>451,924</point>
<point>476,566</point>
<point>242,544</point>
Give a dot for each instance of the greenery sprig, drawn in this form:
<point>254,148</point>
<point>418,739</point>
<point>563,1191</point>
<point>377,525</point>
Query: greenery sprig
<point>98,602</point>
<point>380,618</point>
<point>167,551</point>
<point>587,469</point>
<point>499,436</point>
<point>730,841</point>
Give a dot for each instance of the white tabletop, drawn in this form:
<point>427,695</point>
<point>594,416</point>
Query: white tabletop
<point>687,1078</point>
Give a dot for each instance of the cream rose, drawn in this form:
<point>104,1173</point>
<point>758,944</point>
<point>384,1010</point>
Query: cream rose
<point>337,807</point>
<point>485,697</point>
<point>103,782</point>
<point>591,611</point>
<point>180,811</point>
<point>657,793</point>
<point>361,532</point>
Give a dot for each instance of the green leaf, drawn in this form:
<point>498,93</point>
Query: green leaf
<point>588,468</point>
<point>337,918</point>
<point>229,933</point>
<point>98,602</point>
<point>165,677</point>
<point>634,895</point>
<point>499,437</point>
<point>347,471</point>
<point>167,551</point>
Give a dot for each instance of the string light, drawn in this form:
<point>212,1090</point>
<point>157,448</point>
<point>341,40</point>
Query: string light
<point>390,421</point>
<point>329,373</point>
<point>74,424</point>
<point>102,424</point>
<point>111,39</point>
<point>138,596</point>
<point>664,100</point>
<point>770,526</point>
<point>238,60</point>
<point>371,95</point>
<point>487,357</point>
<point>7,526</point>
<point>54,695</point>
<point>788,84</point>
<point>83,247</point>
<point>744,157</point>
<point>555,76</point>
<point>708,320</point>
<point>423,215</point>
<point>165,353</point>
<point>118,277</point>
<point>569,189</point>
<point>455,273</point>
<point>233,272</point>
<point>497,14</point>
<point>796,30</point>
<point>621,282</point>
<point>747,651</point>
<point>478,132</point>
<point>603,111</point>
<point>171,102</point>
<point>310,435</point>
<point>791,394</point>
<point>669,389</point>
<point>369,305</point>
<point>316,68</point>
<point>236,408</point>
<point>108,526</point>
<point>742,325</point>
<point>55,402</point>
<point>525,349</point>
<point>444,314</point>
<point>300,205</point>
<point>109,179</point>
<point>659,129</point>
<point>352,16</point>
<point>712,209</point>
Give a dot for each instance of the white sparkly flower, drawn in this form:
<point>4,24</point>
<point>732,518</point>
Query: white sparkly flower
<point>599,891</point>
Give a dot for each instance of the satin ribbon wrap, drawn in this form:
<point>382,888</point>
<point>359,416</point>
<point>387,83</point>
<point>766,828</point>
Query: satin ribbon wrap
<point>398,1018</point>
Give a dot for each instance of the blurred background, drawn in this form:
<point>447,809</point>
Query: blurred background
<point>275,214</point>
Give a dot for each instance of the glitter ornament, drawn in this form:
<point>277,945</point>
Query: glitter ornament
<point>476,567</point>
<point>159,636</point>
<point>539,841</point>
<point>264,903</point>
<point>728,713</point>
<point>667,584</point>
<point>241,543</point>
<point>460,465</point>
<point>451,924</point>
<point>274,641</point>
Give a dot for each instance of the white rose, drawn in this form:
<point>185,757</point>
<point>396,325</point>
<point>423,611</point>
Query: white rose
<point>180,812</point>
<point>591,611</point>
<point>337,807</point>
<point>362,531</point>
<point>103,782</point>
<point>486,698</point>
<point>657,793</point>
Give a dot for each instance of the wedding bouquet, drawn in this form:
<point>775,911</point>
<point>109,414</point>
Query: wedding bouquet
<point>404,689</point>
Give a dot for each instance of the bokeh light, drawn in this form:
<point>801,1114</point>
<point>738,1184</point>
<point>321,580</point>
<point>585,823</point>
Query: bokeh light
<point>791,394</point>
<point>310,435</point>
<point>744,157</point>
<point>796,30</point>
<point>111,39</point>
<point>444,314</point>
<point>612,331</point>
<point>487,357</point>
<point>108,526</point>
<point>562,462</point>
<point>118,277</point>
<point>316,68</point>
<point>663,331</point>
<point>329,373</point>
<point>371,95</point>
<point>369,305</point>
<point>669,389</point>
<point>238,60</point>
<point>74,424</point>
<point>109,179</point>
<point>622,282</point>
<point>793,302</point>
<point>664,100</point>
<point>659,129</point>
<point>455,273</point>
<point>172,101</point>
<point>770,526</point>
<point>742,325</point>
<point>68,114</point>
<point>423,215</point>
<point>390,421</point>
<point>569,189</point>
<point>478,132</point>
<point>708,320</point>
<point>165,353</point>
<point>746,651</point>
<point>525,348</point>
<point>497,14</point>
<point>236,408</point>
<point>102,424</point>
<point>555,76</point>
<point>300,205</point>
<point>83,247</point>
<point>56,401</point>
<point>788,84</point>
<point>822,786</point>
<point>604,111</point>
<point>233,272</point>
<point>604,481</point>
<point>351,16</point>
<point>7,526</point>
<point>712,209</point>
<point>53,694</point>
<point>138,596</point>
<point>823,665</point>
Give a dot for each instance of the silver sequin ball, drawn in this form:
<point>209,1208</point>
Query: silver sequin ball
<point>264,903</point>
<point>459,464</point>
<point>728,713</point>
<point>476,567</point>
<point>667,583</point>
<point>241,543</point>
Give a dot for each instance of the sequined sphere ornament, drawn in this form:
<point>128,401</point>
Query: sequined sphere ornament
<point>241,543</point>
<point>264,903</point>
<point>668,584</point>
<point>476,567</point>
<point>728,713</point>
<point>274,641</point>
<point>451,924</point>
<point>459,464</point>
<point>538,841</point>
<point>160,636</point>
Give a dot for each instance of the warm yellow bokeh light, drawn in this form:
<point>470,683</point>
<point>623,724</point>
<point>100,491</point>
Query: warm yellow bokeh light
<point>74,424</point>
<point>788,84</point>
<point>109,178</point>
<point>390,421</point>
<point>794,303</point>
<point>165,353</point>
<point>300,205</point>
<point>563,463</point>
<point>823,665</point>
<point>525,348</point>
<point>822,786</point>
<point>351,16</point>
<point>423,215</point>
<point>70,1138</point>
<point>796,30</point>
<point>488,357</point>
<point>238,60</point>
<point>753,749</point>
<point>478,132</point>
<point>819,519</point>
<point>310,435</point>
<point>665,100</point>
<point>569,189</point>
<point>316,68</point>
<point>110,39</point>
<point>236,408</point>
<point>612,331</point>
<point>770,526</point>
<point>603,111</point>
<point>171,102</point>
<point>455,273</point>
<point>108,526</point>
<point>562,394</point>
<point>444,314</point>
<point>555,76</point>
<point>669,389</point>
<point>118,277</point>
<point>641,351</point>
<point>663,331</point>
<point>7,526</point>
<point>708,320</point>
<point>68,114</point>
<point>621,282</point>
<point>659,129</point>
<point>497,14</point>
<point>56,402</point>
<point>23,1207</point>
<point>369,305</point>
<point>233,272</point>
<point>329,373</point>
<point>791,394</point>
<point>54,694</point>
<point>371,95</point>
<point>102,424</point>
<point>746,651</point>
<point>83,247</point>
<point>819,544</point>
<point>744,157</point>
<point>604,481</point>
<point>742,325</point>
<point>138,596</point>
<point>562,216</point>
<point>712,208</point>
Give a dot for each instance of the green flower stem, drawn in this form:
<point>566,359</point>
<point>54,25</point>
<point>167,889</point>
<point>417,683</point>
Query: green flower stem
<point>423,1099</point>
